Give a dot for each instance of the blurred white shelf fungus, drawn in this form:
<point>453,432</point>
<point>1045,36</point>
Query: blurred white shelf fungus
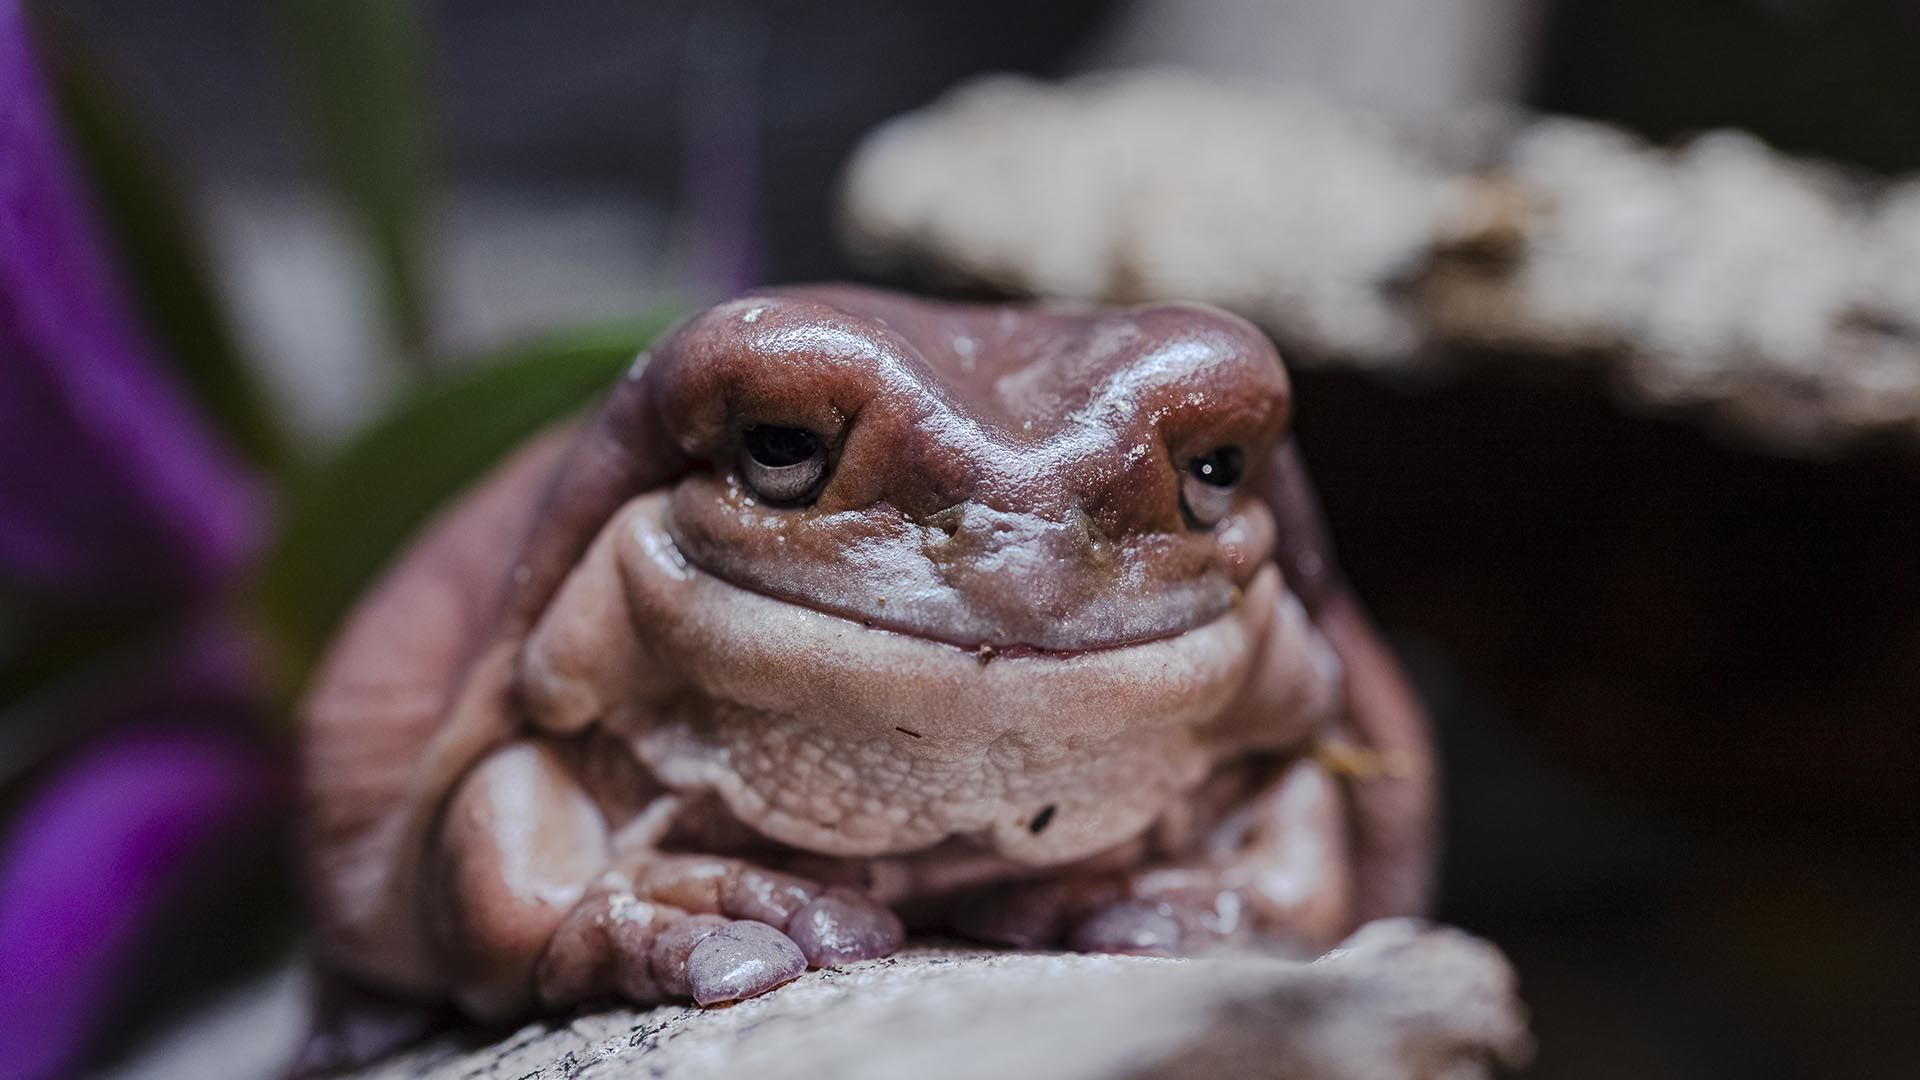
<point>1779,295</point>
<point>1398,1000</point>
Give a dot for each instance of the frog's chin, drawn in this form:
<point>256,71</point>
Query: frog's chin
<point>850,740</point>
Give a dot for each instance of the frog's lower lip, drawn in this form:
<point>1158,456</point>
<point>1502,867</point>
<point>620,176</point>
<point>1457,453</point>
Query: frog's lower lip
<point>982,649</point>
<point>1097,630</point>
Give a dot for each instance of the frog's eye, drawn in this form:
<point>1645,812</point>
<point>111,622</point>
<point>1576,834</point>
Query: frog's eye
<point>1207,486</point>
<point>783,464</point>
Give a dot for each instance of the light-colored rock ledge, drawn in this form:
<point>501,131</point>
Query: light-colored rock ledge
<point>1399,999</point>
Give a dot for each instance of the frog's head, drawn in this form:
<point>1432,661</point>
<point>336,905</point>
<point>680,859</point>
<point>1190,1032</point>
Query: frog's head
<point>1017,479</point>
<point>920,571</point>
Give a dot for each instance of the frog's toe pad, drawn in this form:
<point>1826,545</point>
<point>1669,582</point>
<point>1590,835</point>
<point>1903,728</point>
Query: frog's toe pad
<point>842,927</point>
<point>741,960</point>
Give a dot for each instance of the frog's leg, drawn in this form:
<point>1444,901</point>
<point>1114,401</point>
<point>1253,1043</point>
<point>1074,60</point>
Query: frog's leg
<point>1393,810</point>
<point>1277,866</point>
<point>639,923</point>
<point>536,897</point>
<point>518,846</point>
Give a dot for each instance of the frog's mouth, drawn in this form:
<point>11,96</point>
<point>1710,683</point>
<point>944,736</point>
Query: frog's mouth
<point>763,649</point>
<point>652,530</point>
<point>981,650</point>
<point>1060,643</point>
<point>989,582</point>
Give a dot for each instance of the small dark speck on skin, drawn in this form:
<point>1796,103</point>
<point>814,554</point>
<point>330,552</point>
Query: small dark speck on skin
<point>985,653</point>
<point>909,734</point>
<point>1042,819</point>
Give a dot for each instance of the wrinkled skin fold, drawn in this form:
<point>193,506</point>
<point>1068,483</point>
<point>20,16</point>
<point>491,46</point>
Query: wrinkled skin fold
<point>848,612</point>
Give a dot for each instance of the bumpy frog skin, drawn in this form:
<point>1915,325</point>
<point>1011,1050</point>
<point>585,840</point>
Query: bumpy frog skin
<point>849,608</point>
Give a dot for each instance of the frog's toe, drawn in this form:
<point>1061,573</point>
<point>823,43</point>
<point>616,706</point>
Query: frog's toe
<point>841,927</point>
<point>741,960</point>
<point>765,895</point>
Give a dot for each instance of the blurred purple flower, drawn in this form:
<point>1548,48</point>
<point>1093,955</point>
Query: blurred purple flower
<point>110,489</point>
<point>111,496</point>
<point>86,858</point>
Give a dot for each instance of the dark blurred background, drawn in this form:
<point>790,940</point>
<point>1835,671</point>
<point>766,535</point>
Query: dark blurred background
<point>1678,676</point>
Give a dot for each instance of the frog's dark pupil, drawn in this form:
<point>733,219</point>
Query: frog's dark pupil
<point>779,447</point>
<point>1219,467</point>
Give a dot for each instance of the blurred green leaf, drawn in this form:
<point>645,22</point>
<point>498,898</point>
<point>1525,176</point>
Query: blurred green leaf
<point>347,516</point>
<point>156,248</point>
<point>363,77</point>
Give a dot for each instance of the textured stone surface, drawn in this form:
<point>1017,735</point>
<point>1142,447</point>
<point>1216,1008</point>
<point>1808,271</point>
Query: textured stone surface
<point>1399,999</point>
<point>1774,295</point>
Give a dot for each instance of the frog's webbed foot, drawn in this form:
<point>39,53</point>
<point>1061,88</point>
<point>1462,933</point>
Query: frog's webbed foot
<point>1276,867</point>
<point>538,898</point>
<point>713,929</point>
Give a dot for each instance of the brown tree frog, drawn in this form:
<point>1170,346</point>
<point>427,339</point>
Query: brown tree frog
<point>849,611</point>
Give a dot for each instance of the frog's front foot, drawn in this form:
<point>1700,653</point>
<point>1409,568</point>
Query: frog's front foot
<point>539,901</point>
<point>713,929</point>
<point>1276,867</point>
